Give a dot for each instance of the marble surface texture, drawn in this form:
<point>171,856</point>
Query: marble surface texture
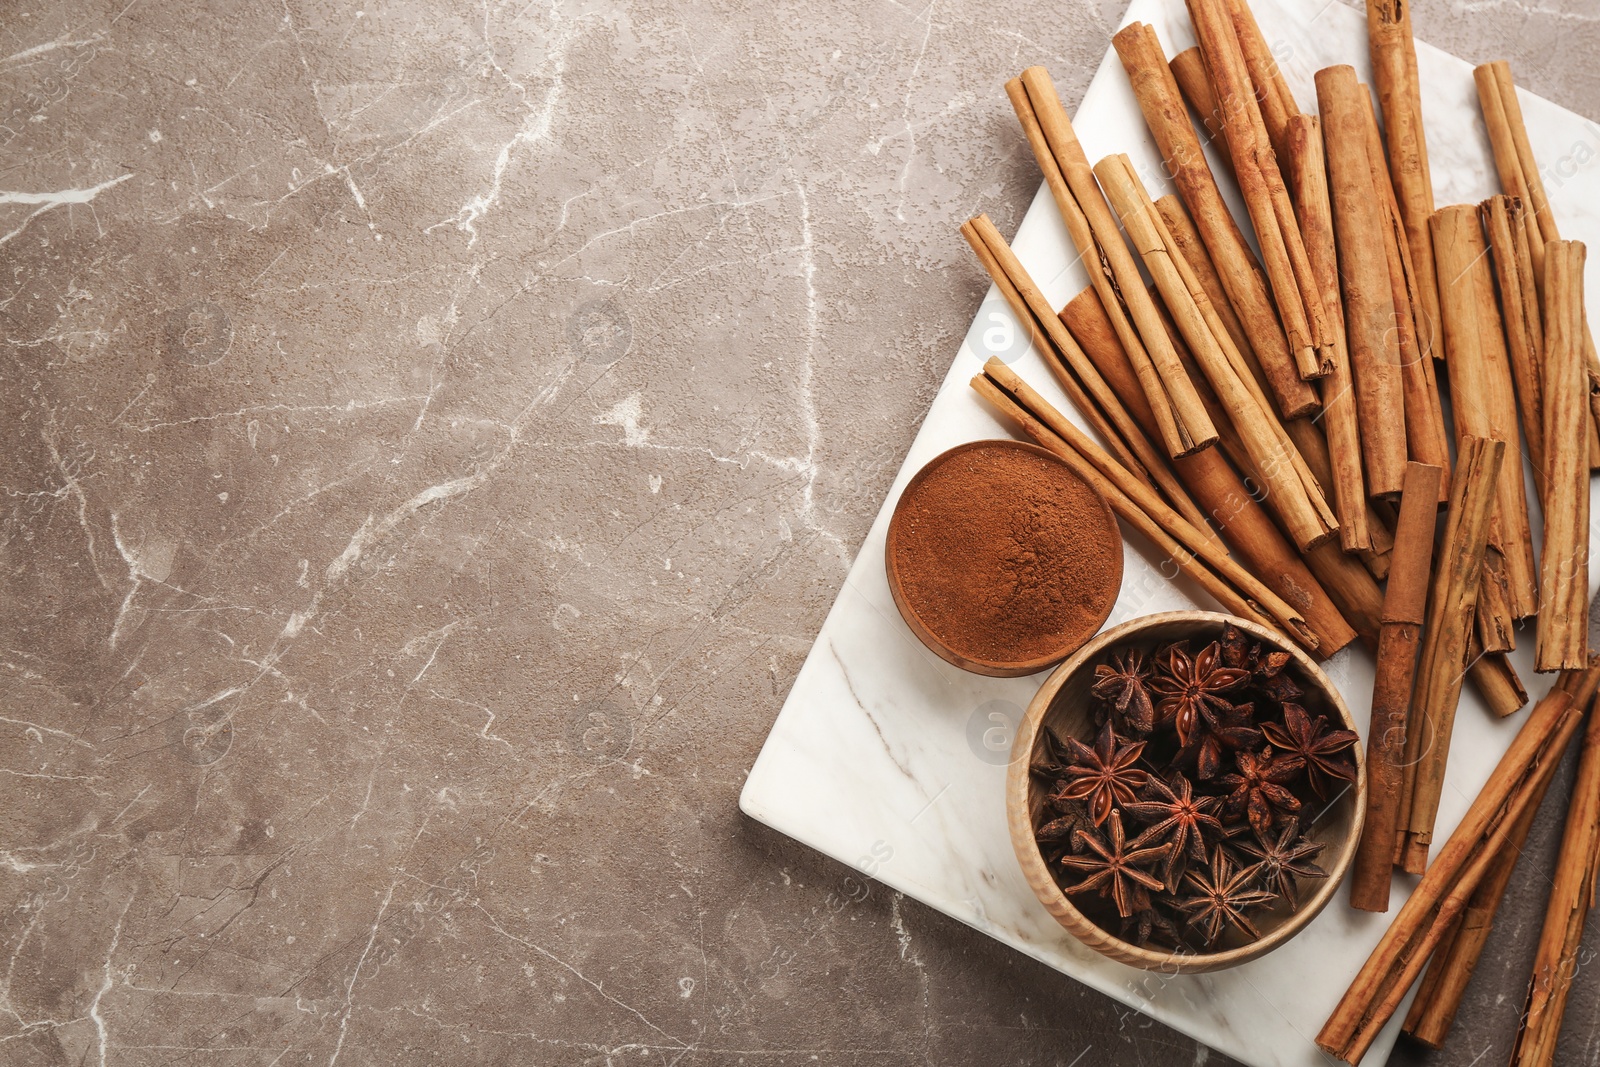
<point>433,437</point>
<point>872,760</point>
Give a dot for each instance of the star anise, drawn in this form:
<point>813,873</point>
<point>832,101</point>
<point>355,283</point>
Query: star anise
<point>1186,685</point>
<point>1268,668</point>
<point>1049,765</point>
<point>1280,861</point>
<point>1061,831</point>
<point>1125,683</point>
<point>1219,731</point>
<point>1219,897</point>
<point>1147,921</point>
<point>1103,775</point>
<point>1258,789</point>
<point>1180,818</point>
<point>1113,866</point>
<point>1324,751</point>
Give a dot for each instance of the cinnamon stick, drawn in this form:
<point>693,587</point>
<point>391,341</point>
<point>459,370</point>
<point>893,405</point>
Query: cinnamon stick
<point>1242,280</point>
<point>1404,607</point>
<point>1425,433</point>
<point>1192,247</point>
<point>1442,894</point>
<point>1451,605</point>
<point>1356,593</point>
<point>1261,183</point>
<point>1340,422</point>
<point>1304,433</point>
<point>1277,103</point>
<point>1433,1009</point>
<point>1292,491</point>
<point>1195,554</point>
<point>1482,395</point>
<point>1368,292</point>
<point>1571,897</point>
<point>1194,84</point>
<point>1495,625</point>
<point>1520,177</point>
<point>1508,138</point>
<point>1228,502</point>
<point>1079,378</point>
<point>1394,73</point>
<point>1519,303</point>
<point>1563,628</point>
<point>1182,419</point>
<point>1497,683</point>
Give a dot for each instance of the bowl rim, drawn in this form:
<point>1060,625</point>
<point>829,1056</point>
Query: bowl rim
<point>927,635</point>
<point>1026,846</point>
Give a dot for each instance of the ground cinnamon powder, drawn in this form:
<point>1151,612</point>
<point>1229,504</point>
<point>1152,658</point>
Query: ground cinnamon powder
<point>1005,554</point>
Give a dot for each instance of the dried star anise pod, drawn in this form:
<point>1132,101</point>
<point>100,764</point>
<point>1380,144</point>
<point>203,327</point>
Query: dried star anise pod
<point>1182,819</point>
<point>1281,860</point>
<point>1324,751</point>
<point>1149,920</point>
<point>1186,685</point>
<point>1113,866</point>
<point>1268,668</point>
<point>1049,764</point>
<point>1061,831</point>
<point>1219,731</point>
<point>1101,776</point>
<point>1124,682</point>
<point>1219,897</point>
<point>1258,789</point>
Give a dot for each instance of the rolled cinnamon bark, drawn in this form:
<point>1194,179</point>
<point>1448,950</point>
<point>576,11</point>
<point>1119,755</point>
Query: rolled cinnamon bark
<point>1228,502</point>
<point>1157,93</point>
<point>1556,963</point>
<point>1194,84</point>
<point>1265,195</point>
<point>1277,103</point>
<point>1497,683</point>
<point>1482,395</point>
<point>1292,491</point>
<point>1184,424</point>
<point>1340,422</point>
<point>1394,73</point>
<point>1426,438</point>
<point>1496,628</point>
<point>1305,433</point>
<point>1194,553</point>
<point>1520,176</point>
<point>1451,606</point>
<point>1404,607</point>
<point>1442,895</point>
<point>1078,376</point>
<point>1433,1009</point>
<point>1563,629</point>
<point>1519,303</point>
<point>1190,244</point>
<point>1368,292</point>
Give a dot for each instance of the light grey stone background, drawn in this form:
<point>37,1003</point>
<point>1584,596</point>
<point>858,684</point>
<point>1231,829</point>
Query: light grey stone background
<point>432,436</point>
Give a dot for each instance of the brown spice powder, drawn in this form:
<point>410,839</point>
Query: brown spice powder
<point>1005,554</point>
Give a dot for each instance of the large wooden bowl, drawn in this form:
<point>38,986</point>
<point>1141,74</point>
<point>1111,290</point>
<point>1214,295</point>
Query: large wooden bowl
<point>1063,703</point>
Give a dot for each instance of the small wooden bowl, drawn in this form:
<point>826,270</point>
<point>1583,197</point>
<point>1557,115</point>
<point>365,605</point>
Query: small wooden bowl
<point>1063,703</point>
<point>1096,537</point>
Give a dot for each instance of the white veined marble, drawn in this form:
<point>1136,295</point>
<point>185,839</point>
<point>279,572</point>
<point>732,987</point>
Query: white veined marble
<point>892,761</point>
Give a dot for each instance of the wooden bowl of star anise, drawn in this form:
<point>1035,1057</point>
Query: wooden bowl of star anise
<point>1186,792</point>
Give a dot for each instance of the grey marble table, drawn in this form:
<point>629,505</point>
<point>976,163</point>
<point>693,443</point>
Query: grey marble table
<point>432,436</point>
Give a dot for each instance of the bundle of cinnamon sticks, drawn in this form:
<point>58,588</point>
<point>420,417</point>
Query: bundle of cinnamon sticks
<point>1274,424</point>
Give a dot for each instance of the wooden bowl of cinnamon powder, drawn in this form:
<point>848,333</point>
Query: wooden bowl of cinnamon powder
<point>1001,559</point>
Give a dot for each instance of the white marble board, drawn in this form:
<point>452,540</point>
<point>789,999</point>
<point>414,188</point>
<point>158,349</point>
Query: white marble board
<point>892,761</point>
